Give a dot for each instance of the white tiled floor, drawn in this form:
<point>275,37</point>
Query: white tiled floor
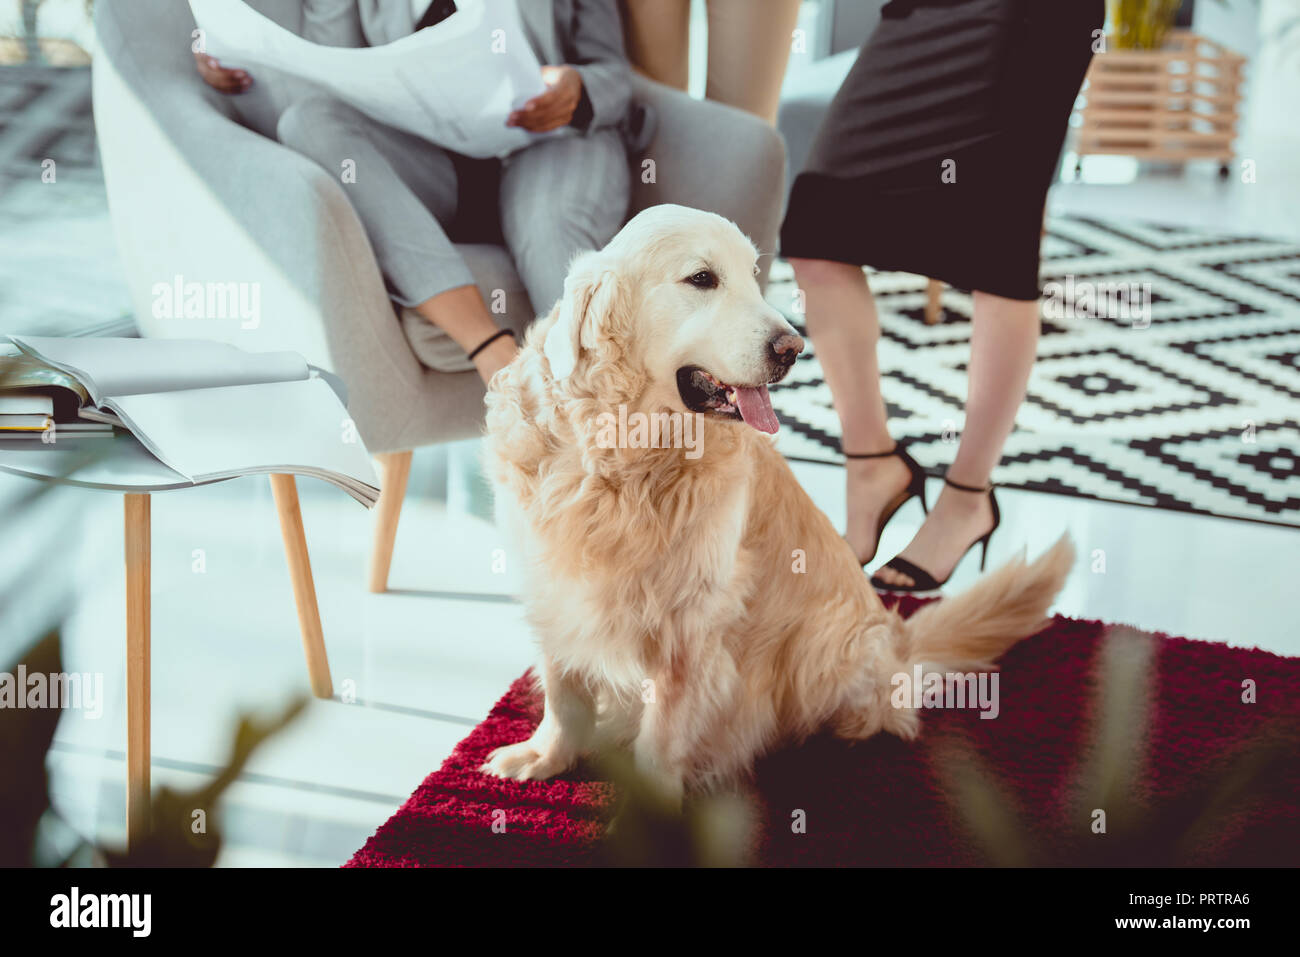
<point>1117,188</point>
<point>427,660</point>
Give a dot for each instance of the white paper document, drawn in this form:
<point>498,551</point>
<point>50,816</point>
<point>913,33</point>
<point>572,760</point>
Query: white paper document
<point>271,427</point>
<point>454,83</point>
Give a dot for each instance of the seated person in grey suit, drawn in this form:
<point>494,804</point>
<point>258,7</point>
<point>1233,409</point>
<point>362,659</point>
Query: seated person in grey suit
<point>556,197</point>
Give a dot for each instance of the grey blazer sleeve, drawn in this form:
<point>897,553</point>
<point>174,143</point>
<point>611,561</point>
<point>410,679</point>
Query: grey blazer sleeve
<point>593,43</point>
<point>333,23</point>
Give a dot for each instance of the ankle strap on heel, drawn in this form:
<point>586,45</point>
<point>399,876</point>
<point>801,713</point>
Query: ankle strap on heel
<point>981,489</point>
<point>870,455</point>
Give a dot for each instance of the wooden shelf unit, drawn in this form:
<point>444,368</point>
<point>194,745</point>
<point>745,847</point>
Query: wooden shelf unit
<point>1178,103</point>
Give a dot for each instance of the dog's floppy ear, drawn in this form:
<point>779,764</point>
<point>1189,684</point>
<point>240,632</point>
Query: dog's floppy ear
<point>591,294</point>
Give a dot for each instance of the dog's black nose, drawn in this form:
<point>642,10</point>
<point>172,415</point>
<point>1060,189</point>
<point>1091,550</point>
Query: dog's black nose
<point>783,349</point>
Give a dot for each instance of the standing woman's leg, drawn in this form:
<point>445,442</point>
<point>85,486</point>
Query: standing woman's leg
<point>1049,47</point>
<point>749,48</point>
<point>656,34</point>
<point>844,327</point>
<point>1004,343</point>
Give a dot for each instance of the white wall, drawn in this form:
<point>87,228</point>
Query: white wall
<point>1274,79</point>
<point>1234,23</point>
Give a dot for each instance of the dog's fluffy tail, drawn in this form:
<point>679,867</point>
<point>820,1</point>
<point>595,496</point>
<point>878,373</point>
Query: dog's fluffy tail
<point>982,623</point>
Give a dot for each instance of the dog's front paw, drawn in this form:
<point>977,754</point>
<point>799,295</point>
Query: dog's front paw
<point>526,761</point>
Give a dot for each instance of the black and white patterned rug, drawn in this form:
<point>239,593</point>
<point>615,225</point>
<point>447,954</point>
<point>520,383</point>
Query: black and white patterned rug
<point>1193,407</point>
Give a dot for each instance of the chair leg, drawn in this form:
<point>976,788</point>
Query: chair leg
<point>933,301</point>
<point>285,491</point>
<point>396,469</point>
<point>137,669</point>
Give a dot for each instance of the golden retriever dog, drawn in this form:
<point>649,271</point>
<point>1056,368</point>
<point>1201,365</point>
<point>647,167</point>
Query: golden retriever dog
<point>694,603</point>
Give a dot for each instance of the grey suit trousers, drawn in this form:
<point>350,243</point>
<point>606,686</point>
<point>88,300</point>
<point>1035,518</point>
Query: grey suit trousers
<point>555,198</point>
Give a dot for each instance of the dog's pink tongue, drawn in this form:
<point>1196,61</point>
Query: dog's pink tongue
<point>755,407</point>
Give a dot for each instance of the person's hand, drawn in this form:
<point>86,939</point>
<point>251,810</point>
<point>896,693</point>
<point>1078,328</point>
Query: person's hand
<point>219,78</point>
<point>554,108</point>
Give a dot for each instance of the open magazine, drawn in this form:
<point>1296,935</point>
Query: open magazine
<point>207,410</point>
<point>453,83</point>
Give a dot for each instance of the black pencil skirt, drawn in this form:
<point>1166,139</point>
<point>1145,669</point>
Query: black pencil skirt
<point>938,150</point>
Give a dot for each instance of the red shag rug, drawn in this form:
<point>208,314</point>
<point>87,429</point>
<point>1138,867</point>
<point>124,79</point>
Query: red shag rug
<point>888,802</point>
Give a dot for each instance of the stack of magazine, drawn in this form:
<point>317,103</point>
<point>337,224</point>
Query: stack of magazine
<point>207,410</point>
<point>42,404</point>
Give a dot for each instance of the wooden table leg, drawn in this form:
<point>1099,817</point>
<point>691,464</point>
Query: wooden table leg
<point>285,491</point>
<point>137,669</point>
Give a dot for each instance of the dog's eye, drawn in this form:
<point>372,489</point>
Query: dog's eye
<point>704,279</point>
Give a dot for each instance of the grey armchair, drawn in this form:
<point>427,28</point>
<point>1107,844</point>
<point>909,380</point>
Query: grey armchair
<point>195,194</point>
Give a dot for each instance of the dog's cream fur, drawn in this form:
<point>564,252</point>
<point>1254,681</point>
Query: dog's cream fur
<point>666,592</point>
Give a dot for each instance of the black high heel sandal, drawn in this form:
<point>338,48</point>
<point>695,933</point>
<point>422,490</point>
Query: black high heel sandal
<point>915,488</point>
<point>923,580</point>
